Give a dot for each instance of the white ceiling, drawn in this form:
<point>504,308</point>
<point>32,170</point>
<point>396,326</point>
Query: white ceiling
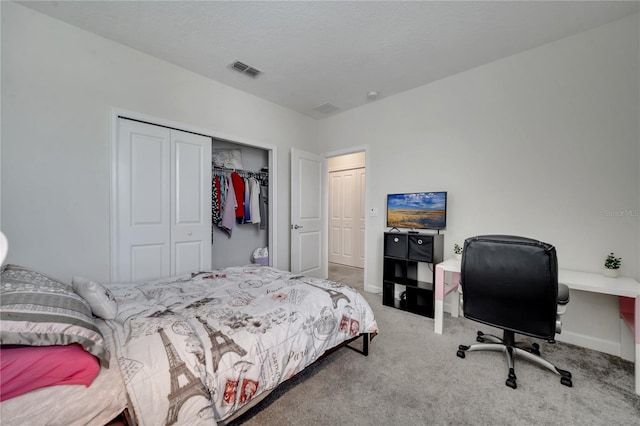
<point>335,52</point>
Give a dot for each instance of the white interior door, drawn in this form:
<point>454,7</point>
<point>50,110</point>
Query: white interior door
<point>143,208</point>
<point>191,202</point>
<point>345,203</point>
<point>360,218</point>
<point>308,226</point>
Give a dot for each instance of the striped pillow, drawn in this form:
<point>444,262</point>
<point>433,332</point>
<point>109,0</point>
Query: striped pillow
<point>36,310</point>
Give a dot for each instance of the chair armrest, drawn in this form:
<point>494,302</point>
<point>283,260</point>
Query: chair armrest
<point>563,299</point>
<point>563,294</point>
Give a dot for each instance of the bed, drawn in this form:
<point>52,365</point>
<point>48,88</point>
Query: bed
<point>72,405</point>
<point>39,313</point>
<point>204,347</point>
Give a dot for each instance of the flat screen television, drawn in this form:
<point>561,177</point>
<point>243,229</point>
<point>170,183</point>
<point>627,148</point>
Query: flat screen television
<point>417,210</point>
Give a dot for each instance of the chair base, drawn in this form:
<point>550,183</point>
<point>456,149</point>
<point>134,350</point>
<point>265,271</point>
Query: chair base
<point>512,350</point>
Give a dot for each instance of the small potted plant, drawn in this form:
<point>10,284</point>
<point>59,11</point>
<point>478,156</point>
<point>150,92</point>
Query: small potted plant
<point>458,251</point>
<point>611,265</point>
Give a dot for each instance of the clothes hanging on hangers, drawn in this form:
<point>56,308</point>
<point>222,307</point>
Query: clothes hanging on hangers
<point>216,201</point>
<point>264,206</point>
<point>247,199</point>
<point>254,200</point>
<point>229,210</point>
<point>244,190</point>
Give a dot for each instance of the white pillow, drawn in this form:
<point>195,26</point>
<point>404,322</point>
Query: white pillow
<point>100,299</point>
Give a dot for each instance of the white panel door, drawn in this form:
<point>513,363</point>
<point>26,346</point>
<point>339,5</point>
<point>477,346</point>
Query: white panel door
<point>335,217</point>
<point>163,202</point>
<point>142,199</point>
<point>360,218</point>
<point>308,240</point>
<point>346,217</point>
<point>191,206</point>
<point>341,219</point>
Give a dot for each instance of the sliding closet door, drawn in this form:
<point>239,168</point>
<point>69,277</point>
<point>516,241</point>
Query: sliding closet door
<point>191,208</point>
<point>143,202</point>
<point>163,202</point>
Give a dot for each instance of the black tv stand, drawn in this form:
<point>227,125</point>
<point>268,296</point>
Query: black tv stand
<point>403,252</point>
<point>412,232</point>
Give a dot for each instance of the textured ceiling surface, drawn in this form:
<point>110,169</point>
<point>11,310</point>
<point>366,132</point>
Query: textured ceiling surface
<point>317,52</point>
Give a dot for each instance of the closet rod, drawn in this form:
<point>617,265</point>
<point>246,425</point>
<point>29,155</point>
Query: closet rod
<point>261,175</point>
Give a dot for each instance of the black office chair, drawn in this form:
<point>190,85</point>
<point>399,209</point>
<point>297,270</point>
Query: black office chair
<point>511,283</point>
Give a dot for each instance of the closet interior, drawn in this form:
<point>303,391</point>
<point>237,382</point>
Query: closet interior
<point>240,200</point>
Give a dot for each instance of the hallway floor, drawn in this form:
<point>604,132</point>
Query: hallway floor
<point>348,275</point>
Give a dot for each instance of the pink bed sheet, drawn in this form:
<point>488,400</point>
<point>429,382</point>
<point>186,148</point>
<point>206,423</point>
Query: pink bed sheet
<point>25,368</point>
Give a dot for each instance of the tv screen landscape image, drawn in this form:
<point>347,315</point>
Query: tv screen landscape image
<point>417,210</point>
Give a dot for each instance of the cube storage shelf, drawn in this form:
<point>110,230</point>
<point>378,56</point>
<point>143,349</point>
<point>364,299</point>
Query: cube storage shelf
<point>403,252</point>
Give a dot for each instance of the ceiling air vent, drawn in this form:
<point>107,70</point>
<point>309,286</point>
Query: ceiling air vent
<point>327,108</point>
<point>245,69</point>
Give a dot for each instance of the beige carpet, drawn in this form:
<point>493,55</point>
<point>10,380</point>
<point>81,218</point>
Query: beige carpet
<point>413,377</point>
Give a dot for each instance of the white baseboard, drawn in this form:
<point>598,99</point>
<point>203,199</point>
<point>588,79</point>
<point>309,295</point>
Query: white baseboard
<point>372,289</point>
<point>606,346</point>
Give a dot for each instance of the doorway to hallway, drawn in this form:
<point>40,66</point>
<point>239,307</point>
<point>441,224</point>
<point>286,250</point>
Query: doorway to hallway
<point>347,209</point>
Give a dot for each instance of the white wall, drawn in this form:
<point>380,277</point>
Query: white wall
<point>542,144</point>
<point>59,83</point>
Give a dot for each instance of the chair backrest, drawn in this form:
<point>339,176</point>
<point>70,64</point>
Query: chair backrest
<point>511,283</point>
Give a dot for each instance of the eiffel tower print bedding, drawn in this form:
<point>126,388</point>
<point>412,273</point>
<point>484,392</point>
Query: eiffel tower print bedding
<point>195,349</point>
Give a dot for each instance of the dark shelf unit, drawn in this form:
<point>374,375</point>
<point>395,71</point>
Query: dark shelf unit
<point>403,252</point>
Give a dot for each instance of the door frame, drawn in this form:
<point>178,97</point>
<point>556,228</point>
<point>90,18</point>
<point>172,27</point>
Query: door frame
<point>325,198</point>
<point>116,113</point>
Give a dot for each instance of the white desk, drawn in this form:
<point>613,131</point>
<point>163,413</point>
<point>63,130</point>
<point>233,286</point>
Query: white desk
<point>443,288</point>
<point>582,281</point>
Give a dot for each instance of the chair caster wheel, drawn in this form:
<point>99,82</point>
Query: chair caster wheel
<point>512,375</point>
<point>461,354</point>
<point>564,373</point>
<point>480,334</point>
<point>480,339</point>
<point>511,383</point>
<point>463,347</point>
<point>566,381</point>
<point>536,349</point>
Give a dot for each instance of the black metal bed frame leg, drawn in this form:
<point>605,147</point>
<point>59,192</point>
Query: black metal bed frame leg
<point>365,344</point>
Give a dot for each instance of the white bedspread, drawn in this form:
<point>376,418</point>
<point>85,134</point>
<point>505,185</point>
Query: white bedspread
<point>194,349</point>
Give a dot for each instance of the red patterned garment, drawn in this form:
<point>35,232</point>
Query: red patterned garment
<point>238,187</point>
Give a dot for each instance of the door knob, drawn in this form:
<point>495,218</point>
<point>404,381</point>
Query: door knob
<point>296,226</point>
